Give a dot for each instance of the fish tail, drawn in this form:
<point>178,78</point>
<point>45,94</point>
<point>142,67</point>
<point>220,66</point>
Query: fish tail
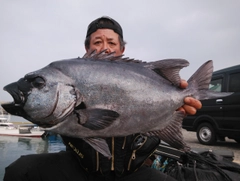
<point>198,83</point>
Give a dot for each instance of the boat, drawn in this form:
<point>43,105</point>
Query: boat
<point>8,128</point>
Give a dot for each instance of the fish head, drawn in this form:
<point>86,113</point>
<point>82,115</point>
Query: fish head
<point>44,97</point>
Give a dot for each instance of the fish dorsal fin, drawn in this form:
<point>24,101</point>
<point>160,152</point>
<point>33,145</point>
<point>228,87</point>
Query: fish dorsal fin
<point>101,55</point>
<point>169,69</point>
<point>109,56</point>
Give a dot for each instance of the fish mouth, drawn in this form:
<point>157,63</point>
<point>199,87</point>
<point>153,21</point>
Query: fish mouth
<point>19,99</point>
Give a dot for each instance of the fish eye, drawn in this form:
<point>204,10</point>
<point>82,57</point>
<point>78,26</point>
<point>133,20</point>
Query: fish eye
<point>38,82</point>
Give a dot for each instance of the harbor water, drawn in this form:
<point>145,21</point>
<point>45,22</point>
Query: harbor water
<point>12,147</point>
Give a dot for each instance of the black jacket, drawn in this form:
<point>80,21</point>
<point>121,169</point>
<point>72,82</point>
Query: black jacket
<point>128,154</point>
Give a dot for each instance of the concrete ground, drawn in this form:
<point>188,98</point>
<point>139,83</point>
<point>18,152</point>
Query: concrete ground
<point>227,145</point>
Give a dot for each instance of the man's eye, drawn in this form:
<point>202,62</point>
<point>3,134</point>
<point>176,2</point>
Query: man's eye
<point>112,43</point>
<point>97,43</point>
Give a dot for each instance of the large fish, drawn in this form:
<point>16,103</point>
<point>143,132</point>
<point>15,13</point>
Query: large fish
<point>100,96</point>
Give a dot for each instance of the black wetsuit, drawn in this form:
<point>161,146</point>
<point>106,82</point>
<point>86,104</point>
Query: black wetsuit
<point>81,162</point>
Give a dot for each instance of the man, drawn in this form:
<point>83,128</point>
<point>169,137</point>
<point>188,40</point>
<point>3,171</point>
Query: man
<point>81,162</point>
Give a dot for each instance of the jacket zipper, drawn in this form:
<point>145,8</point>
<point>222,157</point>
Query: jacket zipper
<point>112,164</point>
<point>97,161</point>
<point>124,142</point>
<point>133,156</point>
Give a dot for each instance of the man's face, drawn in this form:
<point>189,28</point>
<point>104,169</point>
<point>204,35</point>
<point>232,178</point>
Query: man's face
<point>105,39</point>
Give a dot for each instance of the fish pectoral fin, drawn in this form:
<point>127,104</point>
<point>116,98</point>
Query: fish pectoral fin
<point>100,145</point>
<point>172,134</point>
<point>169,69</point>
<point>96,119</point>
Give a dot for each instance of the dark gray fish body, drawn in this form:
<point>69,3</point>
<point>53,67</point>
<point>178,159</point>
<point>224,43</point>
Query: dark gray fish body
<point>93,99</point>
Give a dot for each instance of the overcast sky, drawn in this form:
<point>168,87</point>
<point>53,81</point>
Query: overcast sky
<point>34,33</point>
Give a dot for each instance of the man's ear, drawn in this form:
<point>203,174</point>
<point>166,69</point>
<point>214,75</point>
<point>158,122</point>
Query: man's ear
<point>123,49</point>
<point>86,49</point>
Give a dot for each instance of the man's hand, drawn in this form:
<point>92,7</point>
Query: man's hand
<point>190,104</point>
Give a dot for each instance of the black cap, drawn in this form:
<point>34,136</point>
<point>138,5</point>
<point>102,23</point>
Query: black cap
<point>98,24</point>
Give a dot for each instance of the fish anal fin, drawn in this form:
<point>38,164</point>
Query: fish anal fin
<point>96,119</point>
<point>172,134</point>
<point>100,145</point>
<point>169,69</point>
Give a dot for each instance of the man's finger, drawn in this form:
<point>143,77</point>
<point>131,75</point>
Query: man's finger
<point>183,84</point>
<point>189,109</point>
<point>190,101</point>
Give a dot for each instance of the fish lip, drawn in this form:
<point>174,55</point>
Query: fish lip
<point>15,107</point>
<point>17,95</point>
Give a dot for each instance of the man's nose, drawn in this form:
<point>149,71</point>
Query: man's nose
<point>106,48</point>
